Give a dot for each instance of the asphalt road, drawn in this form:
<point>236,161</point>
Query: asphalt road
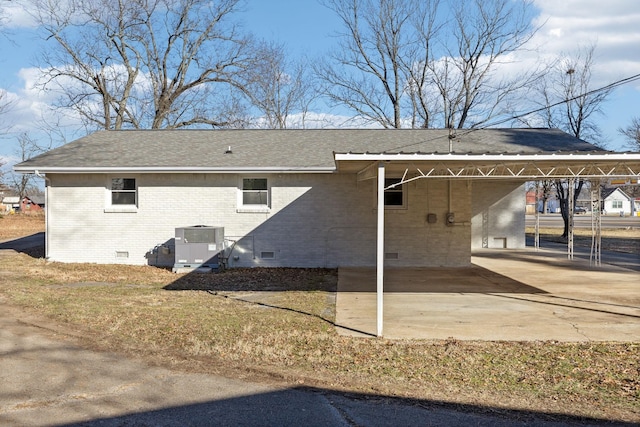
<point>584,220</point>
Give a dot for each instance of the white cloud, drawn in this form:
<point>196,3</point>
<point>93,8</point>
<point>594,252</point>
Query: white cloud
<point>611,25</point>
<point>16,15</point>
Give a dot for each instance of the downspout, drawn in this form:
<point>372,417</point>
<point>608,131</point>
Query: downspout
<point>46,212</point>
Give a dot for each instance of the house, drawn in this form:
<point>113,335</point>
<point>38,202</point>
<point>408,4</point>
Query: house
<point>304,198</point>
<point>537,201</point>
<point>617,202</point>
<point>11,203</point>
<point>32,204</point>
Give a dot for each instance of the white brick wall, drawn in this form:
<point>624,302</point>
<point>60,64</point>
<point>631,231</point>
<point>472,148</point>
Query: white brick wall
<point>315,220</point>
<point>502,203</point>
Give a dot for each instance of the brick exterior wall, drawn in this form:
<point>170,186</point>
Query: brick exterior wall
<point>498,215</point>
<point>315,220</point>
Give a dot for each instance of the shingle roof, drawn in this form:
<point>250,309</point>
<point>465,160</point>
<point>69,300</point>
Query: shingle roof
<point>309,148</point>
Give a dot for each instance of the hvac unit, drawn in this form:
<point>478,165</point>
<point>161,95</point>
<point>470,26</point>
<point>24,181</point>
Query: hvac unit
<point>198,246</point>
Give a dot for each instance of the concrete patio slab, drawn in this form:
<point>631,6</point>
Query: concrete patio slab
<point>505,295</point>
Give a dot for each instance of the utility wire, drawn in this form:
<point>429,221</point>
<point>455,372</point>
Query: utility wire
<point>564,101</point>
<point>518,116</point>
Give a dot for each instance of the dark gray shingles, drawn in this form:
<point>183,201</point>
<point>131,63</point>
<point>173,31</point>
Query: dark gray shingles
<point>308,148</point>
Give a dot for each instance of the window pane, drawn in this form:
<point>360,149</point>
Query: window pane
<point>393,198</point>
<point>123,198</point>
<point>123,184</point>
<point>129,184</point>
<point>254,184</point>
<point>254,198</point>
<point>117,184</point>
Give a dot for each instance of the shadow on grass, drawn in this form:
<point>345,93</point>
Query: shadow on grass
<point>292,310</point>
<point>259,279</point>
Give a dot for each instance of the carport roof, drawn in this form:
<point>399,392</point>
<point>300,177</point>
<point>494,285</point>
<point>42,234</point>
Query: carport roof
<point>308,150</point>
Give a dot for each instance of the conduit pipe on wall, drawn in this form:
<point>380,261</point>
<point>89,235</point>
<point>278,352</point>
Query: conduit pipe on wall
<point>450,218</point>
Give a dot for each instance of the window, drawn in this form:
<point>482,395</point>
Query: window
<point>255,192</point>
<point>394,197</point>
<point>616,204</point>
<point>123,191</point>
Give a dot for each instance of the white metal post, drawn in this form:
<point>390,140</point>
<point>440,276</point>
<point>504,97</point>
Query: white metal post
<point>536,236</point>
<point>380,248</point>
<point>595,258</point>
<point>570,210</point>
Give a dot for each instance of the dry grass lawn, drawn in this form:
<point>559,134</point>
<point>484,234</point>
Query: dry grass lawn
<point>612,239</point>
<point>17,225</point>
<point>227,324</point>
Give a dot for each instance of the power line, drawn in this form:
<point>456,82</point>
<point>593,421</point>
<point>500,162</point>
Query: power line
<point>468,131</point>
<point>518,116</point>
<point>564,101</point>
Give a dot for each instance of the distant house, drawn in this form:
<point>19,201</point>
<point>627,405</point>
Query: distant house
<point>11,203</point>
<point>305,197</point>
<point>32,204</point>
<point>617,202</point>
<point>553,206</point>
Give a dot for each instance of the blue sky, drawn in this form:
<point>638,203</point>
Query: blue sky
<point>306,27</point>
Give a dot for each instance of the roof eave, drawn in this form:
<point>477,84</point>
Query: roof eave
<point>163,170</point>
<point>485,157</point>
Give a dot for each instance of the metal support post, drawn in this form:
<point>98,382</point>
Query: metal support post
<point>570,208</point>
<point>536,238</point>
<point>595,257</point>
<point>380,250</point>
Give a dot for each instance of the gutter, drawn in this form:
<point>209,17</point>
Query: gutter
<point>169,169</point>
<point>485,157</point>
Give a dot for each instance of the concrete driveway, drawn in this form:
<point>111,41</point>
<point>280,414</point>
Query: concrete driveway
<point>506,295</point>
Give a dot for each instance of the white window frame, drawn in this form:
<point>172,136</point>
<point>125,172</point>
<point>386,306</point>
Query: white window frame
<point>110,206</point>
<point>617,204</point>
<point>242,207</point>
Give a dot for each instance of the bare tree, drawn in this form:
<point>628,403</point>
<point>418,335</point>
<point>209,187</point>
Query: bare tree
<point>484,33</point>
<point>278,88</point>
<point>5,103</point>
<point>2,163</point>
<point>411,62</point>
<point>570,102</point>
<point>632,134</point>
<point>143,63</point>
<point>383,52</point>
<point>572,106</point>
<point>28,147</point>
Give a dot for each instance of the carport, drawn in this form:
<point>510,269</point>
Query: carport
<point>523,295</point>
<point>594,167</point>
